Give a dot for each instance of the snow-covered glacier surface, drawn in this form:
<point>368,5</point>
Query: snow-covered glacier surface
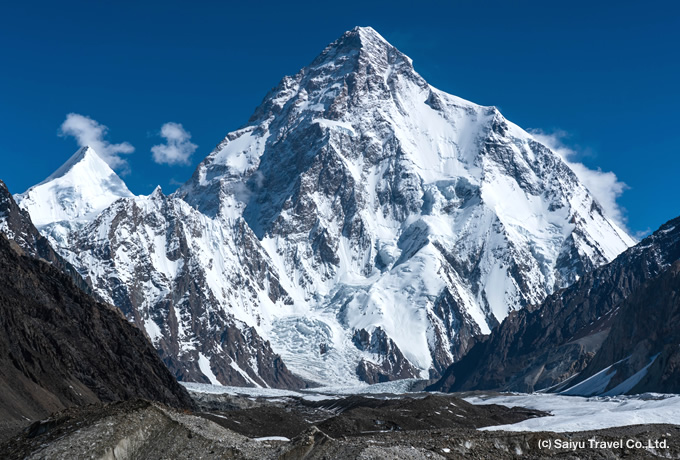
<point>394,388</point>
<point>567,413</point>
<point>363,223</point>
<point>575,413</point>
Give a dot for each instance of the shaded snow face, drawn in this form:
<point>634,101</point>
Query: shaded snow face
<point>383,224</point>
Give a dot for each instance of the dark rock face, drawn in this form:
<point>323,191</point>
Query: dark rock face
<point>394,365</point>
<point>617,310</point>
<point>460,331</point>
<point>645,331</point>
<point>16,224</point>
<point>59,347</point>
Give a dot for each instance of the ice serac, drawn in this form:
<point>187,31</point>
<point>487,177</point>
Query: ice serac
<point>403,221</point>
<point>73,195</point>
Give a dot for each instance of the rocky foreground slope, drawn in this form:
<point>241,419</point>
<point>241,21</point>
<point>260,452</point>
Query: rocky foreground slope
<point>362,225</point>
<point>438,427</point>
<point>16,224</point>
<point>59,347</point>
<point>614,331</point>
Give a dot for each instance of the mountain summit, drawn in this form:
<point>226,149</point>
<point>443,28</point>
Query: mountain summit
<point>74,194</point>
<point>366,224</point>
<point>360,46</point>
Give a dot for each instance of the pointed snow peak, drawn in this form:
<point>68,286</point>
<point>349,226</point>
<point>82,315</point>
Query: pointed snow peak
<point>362,45</point>
<point>157,193</point>
<point>367,36</point>
<point>87,169</point>
<point>87,154</point>
<point>360,65</point>
<point>358,38</point>
<point>374,43</point>
<point>78,190</point>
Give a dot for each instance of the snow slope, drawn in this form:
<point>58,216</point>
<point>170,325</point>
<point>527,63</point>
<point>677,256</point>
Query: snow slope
<point>191,282</point>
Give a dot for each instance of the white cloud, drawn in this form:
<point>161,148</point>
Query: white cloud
<point>603,185</point>
<point>177,148</point>
<point>89,132</point>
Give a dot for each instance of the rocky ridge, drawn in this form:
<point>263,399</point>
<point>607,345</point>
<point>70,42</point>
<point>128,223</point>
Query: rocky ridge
<point>17,226</point>
<point>156,258</point>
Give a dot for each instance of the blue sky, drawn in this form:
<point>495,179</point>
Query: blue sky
<point>602,76</point>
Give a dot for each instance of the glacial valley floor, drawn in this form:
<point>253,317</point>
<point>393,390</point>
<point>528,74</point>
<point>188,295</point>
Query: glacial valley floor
<point>387,426</point>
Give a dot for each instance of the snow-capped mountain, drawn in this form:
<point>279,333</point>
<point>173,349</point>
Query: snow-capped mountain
<point>366,224</point>
<point>391,206</point>
<point>16,225</point>
<point>614,331</point>
<point>73,195</point>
